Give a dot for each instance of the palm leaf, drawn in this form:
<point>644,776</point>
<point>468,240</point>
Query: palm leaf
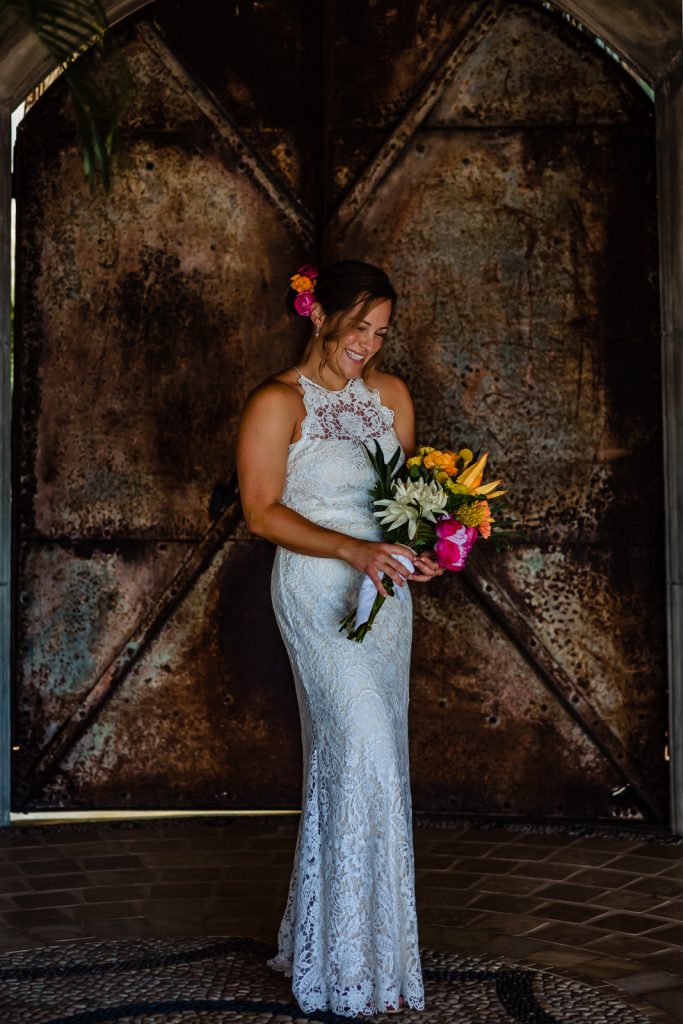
<point>76,34</point>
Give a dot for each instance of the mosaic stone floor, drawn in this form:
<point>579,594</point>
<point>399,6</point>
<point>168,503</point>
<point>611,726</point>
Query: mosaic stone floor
<point>159,981</point>
<point>576,924</point>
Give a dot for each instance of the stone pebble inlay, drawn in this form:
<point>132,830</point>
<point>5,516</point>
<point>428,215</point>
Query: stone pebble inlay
<point>226,979</point>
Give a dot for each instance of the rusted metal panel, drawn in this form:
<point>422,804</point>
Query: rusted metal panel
<point>531,326</point>
<point>153,311</point>
<point>206,716</point>
<point>528,322</point>
<point>513,78</point>
<point>266,47</point>
<point>518,331</point>
<point>165,300</point>
<point>79,603</point>
<point>484,730</point>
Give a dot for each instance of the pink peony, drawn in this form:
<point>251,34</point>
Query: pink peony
<point>308,270</point>
<point>454,543</point>
<point>303,303</point>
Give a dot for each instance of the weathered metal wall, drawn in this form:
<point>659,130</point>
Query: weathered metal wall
<point>501,168</point>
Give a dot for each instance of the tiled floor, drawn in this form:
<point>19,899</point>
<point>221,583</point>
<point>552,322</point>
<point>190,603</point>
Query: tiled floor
<point>594,908</point>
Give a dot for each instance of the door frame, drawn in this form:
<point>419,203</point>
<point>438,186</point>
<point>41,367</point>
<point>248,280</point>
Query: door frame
<point>29,66</point>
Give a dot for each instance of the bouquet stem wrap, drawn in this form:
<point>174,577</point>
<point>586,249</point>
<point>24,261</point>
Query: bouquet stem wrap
<point>360,620</point>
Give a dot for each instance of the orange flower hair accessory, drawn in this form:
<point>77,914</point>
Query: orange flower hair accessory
<point>303,283</point>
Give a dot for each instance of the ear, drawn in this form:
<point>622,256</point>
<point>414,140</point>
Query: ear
<point>317,314</point>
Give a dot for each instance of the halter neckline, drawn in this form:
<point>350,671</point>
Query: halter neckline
<point>332,391</point>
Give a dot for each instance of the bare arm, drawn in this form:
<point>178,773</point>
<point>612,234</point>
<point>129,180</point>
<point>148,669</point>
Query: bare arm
<point>267,423</point>
<point>404,417</point>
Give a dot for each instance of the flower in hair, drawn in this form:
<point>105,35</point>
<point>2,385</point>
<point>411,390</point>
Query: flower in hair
<point>308,270</point>
<point>303,303</point>
<point>303,282</point>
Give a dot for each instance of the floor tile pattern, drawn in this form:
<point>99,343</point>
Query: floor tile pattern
<point>601,906</point>
<point>225,980</point>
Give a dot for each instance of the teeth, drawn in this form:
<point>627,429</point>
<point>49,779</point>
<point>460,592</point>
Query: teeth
<point>352,355</point>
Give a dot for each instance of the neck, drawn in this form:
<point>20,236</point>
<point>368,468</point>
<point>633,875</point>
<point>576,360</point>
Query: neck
<point>309,366</point>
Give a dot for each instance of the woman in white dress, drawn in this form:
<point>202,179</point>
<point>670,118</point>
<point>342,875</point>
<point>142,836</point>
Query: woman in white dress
<point>348,936</point>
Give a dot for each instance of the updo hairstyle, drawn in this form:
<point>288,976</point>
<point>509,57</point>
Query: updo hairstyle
<point>341,286</point>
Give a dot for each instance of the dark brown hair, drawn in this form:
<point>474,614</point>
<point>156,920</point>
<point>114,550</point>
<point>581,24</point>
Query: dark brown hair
<point>341,286</point>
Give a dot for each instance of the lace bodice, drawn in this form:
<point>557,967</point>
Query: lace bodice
<point>329,475</point>
<point>354,413</point>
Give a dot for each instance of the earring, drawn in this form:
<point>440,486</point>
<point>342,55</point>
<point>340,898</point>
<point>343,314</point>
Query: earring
<point>317,330</point>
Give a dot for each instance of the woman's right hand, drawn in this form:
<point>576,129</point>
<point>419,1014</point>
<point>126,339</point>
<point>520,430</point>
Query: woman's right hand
<point>373,557</point>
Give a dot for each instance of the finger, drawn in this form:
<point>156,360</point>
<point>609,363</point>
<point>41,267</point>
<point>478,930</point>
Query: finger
<point>401,549</point>
<point>377,580</point>
<point>427,570</point>
<point>397,569</point>
<point>396,564</point>
<point>396,573</point>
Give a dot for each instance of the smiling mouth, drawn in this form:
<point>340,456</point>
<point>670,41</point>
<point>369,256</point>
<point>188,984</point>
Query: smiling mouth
<point>353,356</point>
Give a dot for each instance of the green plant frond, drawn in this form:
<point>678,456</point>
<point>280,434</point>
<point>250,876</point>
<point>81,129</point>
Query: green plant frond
<point>384,471</point>
<point>393,461</point>
<point>76,34</point>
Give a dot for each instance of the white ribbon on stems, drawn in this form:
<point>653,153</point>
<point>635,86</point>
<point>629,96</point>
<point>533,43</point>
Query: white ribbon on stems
<point>368,593</point>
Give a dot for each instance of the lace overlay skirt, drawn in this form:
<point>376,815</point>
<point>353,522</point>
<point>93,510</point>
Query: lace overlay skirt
<point>348,936</point>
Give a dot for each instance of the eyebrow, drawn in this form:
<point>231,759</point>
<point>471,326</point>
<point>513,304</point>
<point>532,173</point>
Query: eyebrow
<point>367,324</point>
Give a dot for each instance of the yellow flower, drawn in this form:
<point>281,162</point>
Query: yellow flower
<point>477,514</point>
<point>488,489</point>
<point>301,283</point>
<point>466,455</point>
<point>471,477</point>
<point>425,450</point>
<point>415,461</point>
<point>455,488</point>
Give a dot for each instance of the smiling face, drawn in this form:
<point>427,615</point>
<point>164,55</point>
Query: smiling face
<point>359,341</point>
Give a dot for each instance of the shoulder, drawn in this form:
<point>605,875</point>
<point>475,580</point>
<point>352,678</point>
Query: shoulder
<point>278,397</point>
<point>279,390</point>
<point>393,390</point>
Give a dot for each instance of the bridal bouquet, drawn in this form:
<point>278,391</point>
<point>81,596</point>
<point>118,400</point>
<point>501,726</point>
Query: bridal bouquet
<point>435,502</point>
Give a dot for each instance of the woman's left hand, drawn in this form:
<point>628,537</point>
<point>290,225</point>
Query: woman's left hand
<point>427,569</point>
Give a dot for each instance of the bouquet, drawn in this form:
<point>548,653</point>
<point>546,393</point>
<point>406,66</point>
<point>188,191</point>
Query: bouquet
<point>437,502</point>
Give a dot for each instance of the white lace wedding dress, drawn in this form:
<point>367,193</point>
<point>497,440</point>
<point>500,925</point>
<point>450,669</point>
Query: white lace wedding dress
<point>348,937</point>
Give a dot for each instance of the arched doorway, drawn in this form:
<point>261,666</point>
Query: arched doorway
<point>553,716</point>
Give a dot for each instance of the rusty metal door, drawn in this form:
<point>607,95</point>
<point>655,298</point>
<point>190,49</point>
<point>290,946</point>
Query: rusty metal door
<point>501,167</point>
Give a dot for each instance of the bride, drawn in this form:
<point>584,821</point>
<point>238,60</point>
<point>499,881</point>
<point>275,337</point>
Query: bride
<point>348,937</point>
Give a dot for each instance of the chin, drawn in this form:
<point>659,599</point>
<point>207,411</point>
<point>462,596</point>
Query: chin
<point>352,369</point>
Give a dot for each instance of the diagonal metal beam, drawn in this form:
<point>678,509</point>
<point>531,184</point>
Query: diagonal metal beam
<point>196,562</point>
<point>519,628</point>
<point>469,38</point>
<point>278,193</point>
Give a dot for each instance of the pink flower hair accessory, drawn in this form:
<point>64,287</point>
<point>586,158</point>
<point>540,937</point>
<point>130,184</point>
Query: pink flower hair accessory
<point>303,303</point>
<point>303,283</point>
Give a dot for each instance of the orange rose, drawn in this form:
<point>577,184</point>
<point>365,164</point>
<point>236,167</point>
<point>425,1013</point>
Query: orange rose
<point>440,460</point>
<point>301,283</point>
